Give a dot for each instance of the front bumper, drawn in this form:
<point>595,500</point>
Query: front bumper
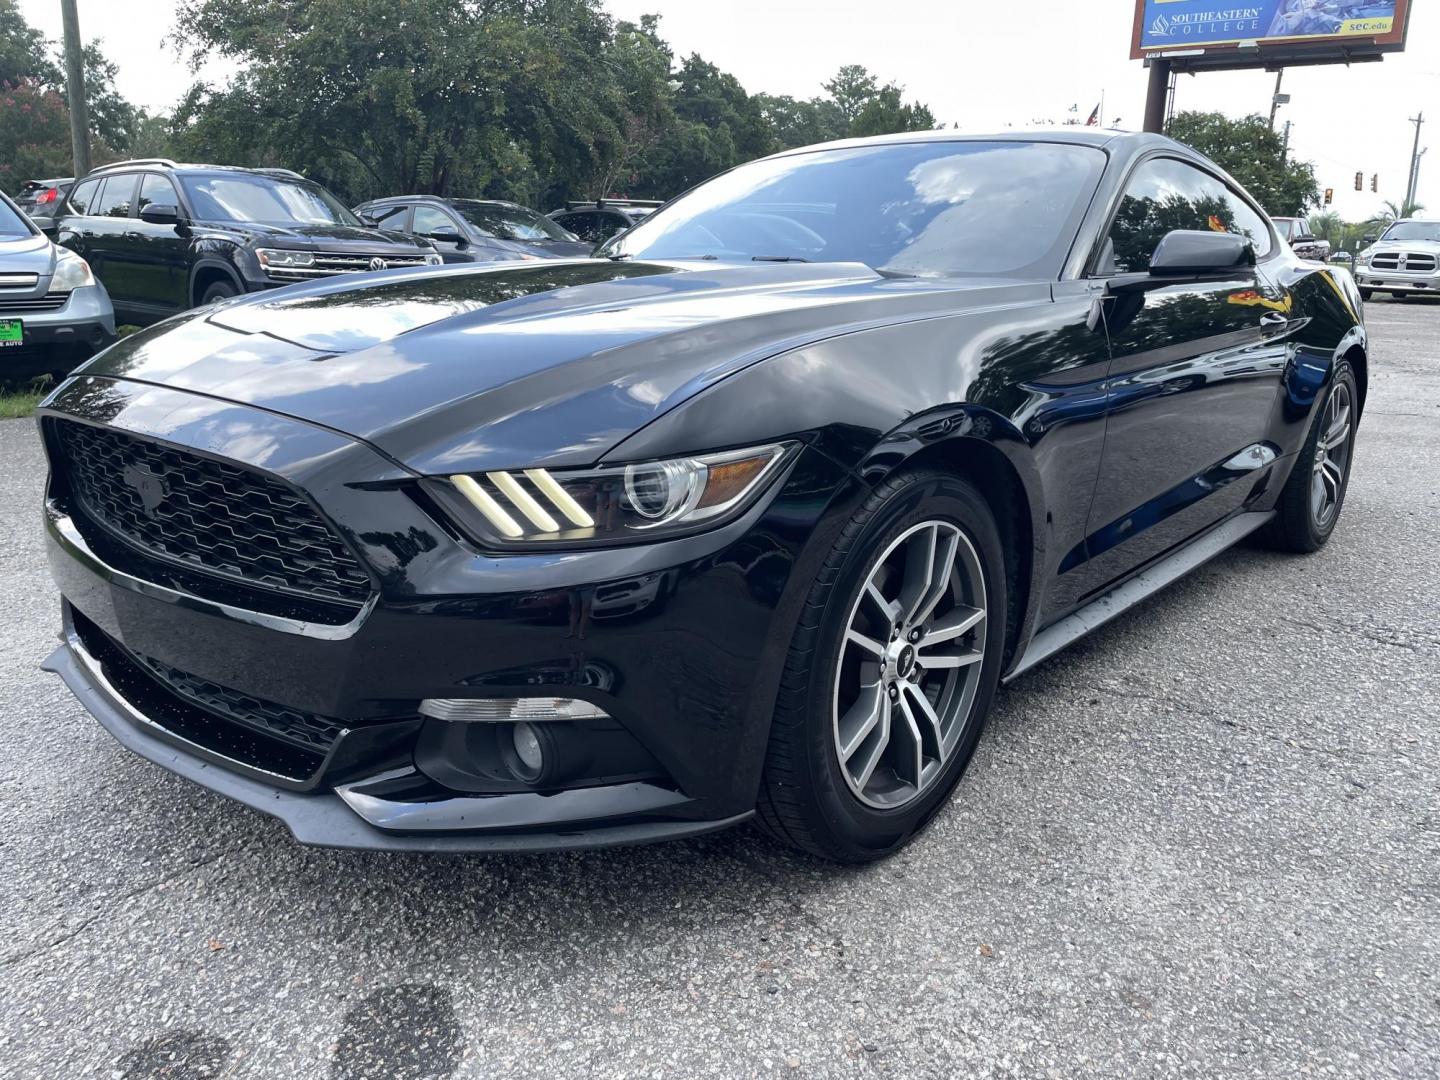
<point>681,643</point>
<point>1397,281</point>
<point>63,338</point>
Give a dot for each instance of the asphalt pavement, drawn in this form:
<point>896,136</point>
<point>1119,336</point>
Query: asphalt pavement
<point>1204,842</point>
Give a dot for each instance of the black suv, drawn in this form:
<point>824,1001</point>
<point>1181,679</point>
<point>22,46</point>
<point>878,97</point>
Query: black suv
<point>164,237</point>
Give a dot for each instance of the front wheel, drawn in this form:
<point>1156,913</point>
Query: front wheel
<point>218,290</point>
<point>890,672</point>
<point>1365,294</point>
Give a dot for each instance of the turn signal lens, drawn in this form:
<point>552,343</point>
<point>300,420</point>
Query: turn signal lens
<point>646,500</point>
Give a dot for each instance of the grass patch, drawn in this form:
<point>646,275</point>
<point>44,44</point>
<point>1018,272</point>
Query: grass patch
<point>19,399</point>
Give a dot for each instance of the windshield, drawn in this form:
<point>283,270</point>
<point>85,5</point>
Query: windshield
<point>1413,230</point>
<point>511,222</point>
<point>264,200</point>
<point>933,208</point>
<point>11,223</point>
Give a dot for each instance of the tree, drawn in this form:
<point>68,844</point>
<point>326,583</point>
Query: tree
<point>1394,211</point>
<point>1254,155</point>
<point>24,51</point>
<point>34,134</point>
<point>852,89</point>
<point>1328,226</point>
<point>885,113</point>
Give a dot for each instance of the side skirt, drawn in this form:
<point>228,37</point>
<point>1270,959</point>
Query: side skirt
<point>1142,586</point>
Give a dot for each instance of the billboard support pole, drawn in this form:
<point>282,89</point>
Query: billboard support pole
<point>1156,95</point>
<point>1275,97</point>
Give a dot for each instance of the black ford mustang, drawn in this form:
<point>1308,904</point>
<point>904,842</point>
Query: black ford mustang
<point>748,517</point>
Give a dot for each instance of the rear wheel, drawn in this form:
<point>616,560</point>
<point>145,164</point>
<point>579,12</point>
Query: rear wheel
<point>1310,505</point>
<point>890,673</point>
<point>1365,294</point>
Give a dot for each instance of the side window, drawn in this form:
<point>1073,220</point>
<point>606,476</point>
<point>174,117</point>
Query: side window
<point>83,195</point>
<point>431,219</point>
<point>115,196</point>
<point>1165,194</point>
<point>388,217</point>
<point>590,225</point>
<point>155,188</point>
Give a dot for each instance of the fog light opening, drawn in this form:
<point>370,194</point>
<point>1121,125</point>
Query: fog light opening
<point>526,742</point>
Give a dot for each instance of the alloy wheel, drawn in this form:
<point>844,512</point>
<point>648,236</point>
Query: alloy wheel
<point>910,665</point>
<point>1332,457</point>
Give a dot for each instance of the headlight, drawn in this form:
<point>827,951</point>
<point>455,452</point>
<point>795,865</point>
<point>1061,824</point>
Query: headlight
<point>1363,259</point>
<point>71,272</point>
<point>276,258</point>
<point>649,500</point>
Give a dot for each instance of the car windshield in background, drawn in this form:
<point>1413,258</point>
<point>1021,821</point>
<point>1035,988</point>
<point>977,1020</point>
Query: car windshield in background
<point>511,223</point>
<point>1413,230</point>
<point>1285,227</point>
<point>11,223</point>
<point>931,208</point>
<point>264,200</point>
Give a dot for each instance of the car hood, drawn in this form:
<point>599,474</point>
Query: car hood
<point>1431,247</point>
<point>323,237</point>
<point>514,364</point>
<point>27,255</point>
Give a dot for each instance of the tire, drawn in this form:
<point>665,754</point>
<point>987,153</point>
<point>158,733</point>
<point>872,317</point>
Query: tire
<point>1365,294</point>
<point>808,797</point>
<point>1298,524</point>
<point>218,290</point>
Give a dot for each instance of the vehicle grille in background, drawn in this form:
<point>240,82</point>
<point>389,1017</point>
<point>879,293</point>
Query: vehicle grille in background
<point>1415,261</point>
<point>317,733</point>
<point>19,281</point>
<point>48,302</point>
<point>207,515</point>
<point>328,264</point>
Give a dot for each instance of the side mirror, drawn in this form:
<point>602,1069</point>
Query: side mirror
<point>1368,238</point>
<point>160,213</point>
<point>447,236</point>
<point>1196,252</point>
<point>366,220</point>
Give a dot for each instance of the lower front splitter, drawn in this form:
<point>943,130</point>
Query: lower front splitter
<point>323,819</point>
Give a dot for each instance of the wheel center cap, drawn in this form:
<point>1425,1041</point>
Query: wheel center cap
<point>904,661</point>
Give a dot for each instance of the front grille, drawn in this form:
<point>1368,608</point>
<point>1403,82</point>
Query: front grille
<point>19,281</point>
<point>207,515</point>
<point>1418,262</point>
<point>19,305</point>
<point>307,730</point>
<point>328,263</point>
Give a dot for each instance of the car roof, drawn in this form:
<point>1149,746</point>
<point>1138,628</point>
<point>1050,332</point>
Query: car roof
<point>443,200</point>
<point>275,173</point>
<point>1076,135</point>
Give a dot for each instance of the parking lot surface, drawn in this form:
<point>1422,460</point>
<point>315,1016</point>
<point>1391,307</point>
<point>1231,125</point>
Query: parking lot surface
<point>1204,842</point>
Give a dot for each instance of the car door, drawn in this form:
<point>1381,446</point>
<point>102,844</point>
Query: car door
<point>106,223</point>
<point>72,228</point>
<point>428,220</point>
<point>149,257</point>
<point>1194,375</point>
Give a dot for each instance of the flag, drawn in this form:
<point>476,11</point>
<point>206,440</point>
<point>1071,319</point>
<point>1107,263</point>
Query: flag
<point>1094,116</point>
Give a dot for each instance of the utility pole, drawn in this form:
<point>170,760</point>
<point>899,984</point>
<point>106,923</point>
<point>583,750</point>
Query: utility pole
<point>1285,148</point>
<point>1275,97</point>
<point>75,87</point>
<point>1419,122</point>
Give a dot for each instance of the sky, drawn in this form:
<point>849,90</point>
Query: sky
<point>962,59</point>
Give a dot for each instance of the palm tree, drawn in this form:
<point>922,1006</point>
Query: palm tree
<point>1394,212</point>
<point>1328,226</point>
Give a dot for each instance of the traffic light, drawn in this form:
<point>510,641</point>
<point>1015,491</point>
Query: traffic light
<point>1359,181</point>
<point>1375,181</point>
<point>1329,195</point>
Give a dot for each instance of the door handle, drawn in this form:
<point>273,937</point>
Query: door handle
<point>1273,320</point>
<point>131,234</point>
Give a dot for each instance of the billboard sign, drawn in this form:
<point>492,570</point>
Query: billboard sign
<point>1183,25</point>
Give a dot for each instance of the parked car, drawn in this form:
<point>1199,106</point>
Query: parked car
<point>475,230</point>
<point>164,237</point>
<point>1295,231</point>
<point>748,518</point>
<point>54,315</point>
<point>1404,261</point>
<point>40,199</point>
<point>595,222</point>
<point>1342,257</point>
